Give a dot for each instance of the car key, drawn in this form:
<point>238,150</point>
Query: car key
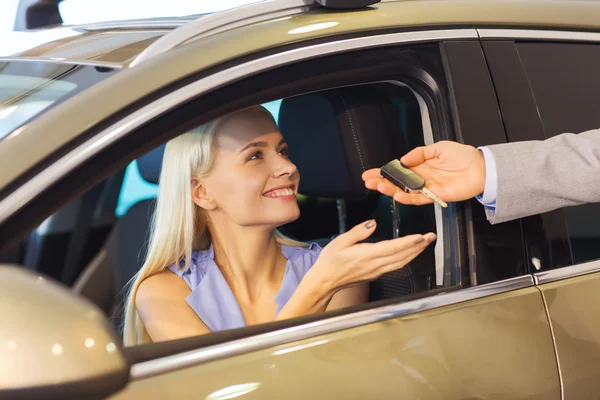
<point>407,180</point>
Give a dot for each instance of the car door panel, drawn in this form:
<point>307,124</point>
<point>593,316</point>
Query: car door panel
<point>573,306</point>
<point>498,346</point>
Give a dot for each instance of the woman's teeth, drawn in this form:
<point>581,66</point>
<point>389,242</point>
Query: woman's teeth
<point>280,193</point>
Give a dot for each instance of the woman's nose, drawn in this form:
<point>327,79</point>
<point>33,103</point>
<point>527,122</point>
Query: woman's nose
<point>285,168</point>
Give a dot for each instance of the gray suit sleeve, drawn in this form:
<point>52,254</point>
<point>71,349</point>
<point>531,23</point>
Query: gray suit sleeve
<point>539,176</point>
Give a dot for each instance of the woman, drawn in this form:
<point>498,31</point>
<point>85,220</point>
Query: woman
<point>215,259</point>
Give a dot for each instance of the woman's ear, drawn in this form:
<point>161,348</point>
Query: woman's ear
<point>201,196</point>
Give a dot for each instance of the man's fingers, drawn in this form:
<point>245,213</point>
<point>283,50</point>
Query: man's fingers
<point>388,188</point>
<point>372,183</point>
<point>382,185</point>
<point>419,155</point>
<point>415,199</point>
<point>373,173</point>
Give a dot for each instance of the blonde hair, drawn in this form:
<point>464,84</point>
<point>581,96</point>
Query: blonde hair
<point>178,225</point>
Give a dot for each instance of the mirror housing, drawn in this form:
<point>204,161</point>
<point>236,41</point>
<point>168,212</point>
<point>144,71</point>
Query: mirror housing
<point>54,344</point>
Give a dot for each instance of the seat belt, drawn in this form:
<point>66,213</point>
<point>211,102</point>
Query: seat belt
<point>83,225</point>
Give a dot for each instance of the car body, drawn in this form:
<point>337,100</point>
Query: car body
<point>513,314</point>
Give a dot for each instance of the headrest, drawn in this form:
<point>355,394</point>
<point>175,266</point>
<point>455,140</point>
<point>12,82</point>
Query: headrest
<point>336,135</point>
<point>150,163</point>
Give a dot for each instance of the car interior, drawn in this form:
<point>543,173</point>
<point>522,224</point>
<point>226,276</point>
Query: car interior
<point>96,243</point>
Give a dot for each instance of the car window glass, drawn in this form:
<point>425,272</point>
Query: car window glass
<point>565,82</point>
<point>321,218</point>
<point>29,88</point>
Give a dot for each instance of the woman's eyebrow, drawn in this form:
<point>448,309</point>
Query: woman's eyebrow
<point>261,144</point>
<point>254,144</point>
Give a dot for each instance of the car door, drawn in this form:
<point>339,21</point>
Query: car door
<point>483,333</point>
<point>548,84</point>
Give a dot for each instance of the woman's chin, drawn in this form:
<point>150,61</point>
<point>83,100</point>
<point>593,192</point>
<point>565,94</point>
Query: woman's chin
<point>289,217</point>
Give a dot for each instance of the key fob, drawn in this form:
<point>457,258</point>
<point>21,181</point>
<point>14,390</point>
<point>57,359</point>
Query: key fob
<point>401,176</point>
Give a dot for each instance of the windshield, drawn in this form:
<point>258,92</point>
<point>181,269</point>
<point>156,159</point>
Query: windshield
<point>90,11</point>
<point>29,88</point>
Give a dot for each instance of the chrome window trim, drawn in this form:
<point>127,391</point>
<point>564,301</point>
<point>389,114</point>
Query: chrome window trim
<point>224,20</point>
<point>538,35</point>
<point>258,342</point>
<point>92,63</point>
<point>36,185</point>
<point>571,271</point>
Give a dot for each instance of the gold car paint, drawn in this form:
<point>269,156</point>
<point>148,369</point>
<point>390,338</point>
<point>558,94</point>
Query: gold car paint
<point>45,134</point>
<point>496,347</point>
<point>574,306</point>
<point>48,337</point>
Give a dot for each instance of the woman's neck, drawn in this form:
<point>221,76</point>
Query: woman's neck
<point>249,258</point>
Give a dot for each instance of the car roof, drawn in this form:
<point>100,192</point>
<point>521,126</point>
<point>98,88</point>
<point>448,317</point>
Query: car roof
<point>111,44</point>
<point>121,44</point>
<point>47,133</point>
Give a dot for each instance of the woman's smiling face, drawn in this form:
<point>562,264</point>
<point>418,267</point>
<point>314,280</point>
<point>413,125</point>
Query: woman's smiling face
<point>252,182</point>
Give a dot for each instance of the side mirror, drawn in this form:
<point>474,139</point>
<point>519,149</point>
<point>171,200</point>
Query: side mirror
<point>54,344</point>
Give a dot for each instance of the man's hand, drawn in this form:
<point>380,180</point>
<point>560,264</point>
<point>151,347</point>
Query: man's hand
<point>452,171</point>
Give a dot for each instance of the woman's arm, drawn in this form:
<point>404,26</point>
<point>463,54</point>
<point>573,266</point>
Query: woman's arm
<point>160,302</point>
<point>311,296</point>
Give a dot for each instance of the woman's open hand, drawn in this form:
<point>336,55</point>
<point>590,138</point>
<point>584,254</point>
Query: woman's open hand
<point>345,262</point>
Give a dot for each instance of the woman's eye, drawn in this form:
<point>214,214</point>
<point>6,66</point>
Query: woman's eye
<point>255,156</point>
<point>284,152</point>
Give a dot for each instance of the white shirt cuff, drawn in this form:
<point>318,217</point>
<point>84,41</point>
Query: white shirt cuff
<point>491,178</point>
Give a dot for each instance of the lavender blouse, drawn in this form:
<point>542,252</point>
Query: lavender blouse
<point>213,300</point>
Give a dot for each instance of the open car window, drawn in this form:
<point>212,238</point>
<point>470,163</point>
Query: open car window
<point>113,242</point>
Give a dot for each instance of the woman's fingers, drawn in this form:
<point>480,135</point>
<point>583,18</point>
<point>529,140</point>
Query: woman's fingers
<point>390,247</point>
<point>392,263</point>
<point>353,236</point>
<point>385,269</point>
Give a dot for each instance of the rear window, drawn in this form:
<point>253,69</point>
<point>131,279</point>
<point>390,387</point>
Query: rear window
<point>28,89</point>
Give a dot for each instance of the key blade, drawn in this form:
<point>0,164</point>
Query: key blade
<point>433,197</point>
